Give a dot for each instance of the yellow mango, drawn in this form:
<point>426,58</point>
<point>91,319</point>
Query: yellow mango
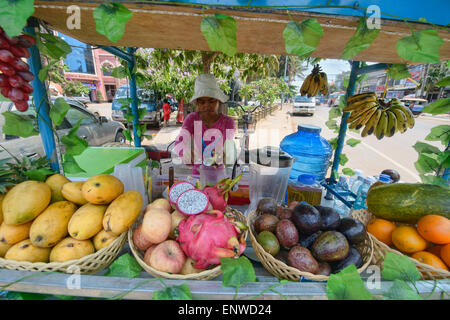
<point>122,212</point>
<point>25,201</point>
<point>71,249</point>
<point>56,182</point>
<point>2,196</point>
<point>3,248</point>
<point>102,189</point>
<point>72,191</point>
<point>51,225</point>
<point>103,239</point>
<point>26,251</point>
<point>87,221</point>
<point>11,234</point>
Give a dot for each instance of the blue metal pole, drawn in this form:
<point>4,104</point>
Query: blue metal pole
<point>40,99</point>
<point>343,126</point>
<point>133,95</point>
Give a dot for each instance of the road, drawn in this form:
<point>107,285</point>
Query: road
<point>371,155</point>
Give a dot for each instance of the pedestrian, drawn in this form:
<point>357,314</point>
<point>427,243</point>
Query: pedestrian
<point>166,109</point>
<point>215,127</point>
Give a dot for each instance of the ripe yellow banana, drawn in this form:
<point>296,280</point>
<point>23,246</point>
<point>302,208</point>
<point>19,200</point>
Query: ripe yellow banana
<point>371,123</point>
<point>380,130</point>
<point>401,119</point>
<point>392,124</point>
<point>356,113</point>
<point>365,117</point>
<point>314,87</point>
<point>357,104</point>
<point>324,83</point>
<point>360,96</point>
<point>306,84</point>
<point>409,115</point>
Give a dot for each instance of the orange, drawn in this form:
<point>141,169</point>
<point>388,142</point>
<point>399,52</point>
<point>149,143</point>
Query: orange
<point>445,254</point>
<point>429,259</point>
<point>408,240</point>
<point>381,229</point>
<point>434,228</point>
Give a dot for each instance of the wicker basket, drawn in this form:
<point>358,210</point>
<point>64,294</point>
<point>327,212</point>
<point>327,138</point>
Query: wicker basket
<point>89,264</point>
<point>282,271</point>
<point>380,249</point>
<point>208,274</point>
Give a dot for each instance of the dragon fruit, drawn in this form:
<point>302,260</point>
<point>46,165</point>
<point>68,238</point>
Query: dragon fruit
<point>208,237</point>
<point>192,201</point>
<point>218,195</point>
<point>177,189</point>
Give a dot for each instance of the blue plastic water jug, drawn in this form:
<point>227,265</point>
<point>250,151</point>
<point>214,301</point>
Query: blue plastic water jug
<point>310,151</point>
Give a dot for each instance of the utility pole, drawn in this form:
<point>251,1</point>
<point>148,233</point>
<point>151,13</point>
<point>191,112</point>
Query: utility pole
<point>424,80</point>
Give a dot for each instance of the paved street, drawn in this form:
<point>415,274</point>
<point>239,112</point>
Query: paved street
<point>371,155</point>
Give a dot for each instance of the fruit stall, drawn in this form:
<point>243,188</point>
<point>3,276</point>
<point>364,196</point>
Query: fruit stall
<point>105,235</point>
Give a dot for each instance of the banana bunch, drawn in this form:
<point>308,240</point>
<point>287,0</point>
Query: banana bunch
<point>316,81</point>
<point>377,116</point>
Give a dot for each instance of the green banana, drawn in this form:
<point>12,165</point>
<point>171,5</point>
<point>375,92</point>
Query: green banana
<point>409,115</point>
<point>381,128</point>
<point>356,113</point>
<point>366,117</point>
<point>392,124</point>
<point>401,119</point>
<point>371,123</point>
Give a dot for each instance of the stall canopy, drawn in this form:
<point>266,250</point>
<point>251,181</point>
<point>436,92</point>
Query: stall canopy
<point>176,25</point>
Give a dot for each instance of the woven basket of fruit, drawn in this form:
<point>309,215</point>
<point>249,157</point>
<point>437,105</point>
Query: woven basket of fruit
<point>306,241</point>
<point>64,226</point>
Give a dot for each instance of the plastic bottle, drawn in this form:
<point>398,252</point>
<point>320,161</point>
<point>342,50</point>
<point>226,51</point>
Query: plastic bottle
<point>360,202</point>
<point>306,188</point>
<point>352,179</point>
<point>355,186</point>
<point>342,189</point>
<point>310,151</point>
<point>382,179</point>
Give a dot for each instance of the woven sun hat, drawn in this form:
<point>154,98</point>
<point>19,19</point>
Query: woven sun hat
<point>206,86</point>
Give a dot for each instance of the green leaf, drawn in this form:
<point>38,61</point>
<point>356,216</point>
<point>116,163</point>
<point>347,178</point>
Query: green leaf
<point>53,46</point>
<point>353,142</point>
<point>361,39</point>
<point>444,82</point>
<point>142,112</point>
<point>347,285</point>
<point>110,20</point>
<point>236,272</point>
<point>440,106</point>
<point>25,296</point>
<point>127,135</point>
<point>432,179</point>
<point>18,125</point>
<point>74,145</point>
<point>43,73</point>
<point>125,266</point>
<point>181,292</point>
<point>422,147</point>
<point>343,159</point>
<point>39,174</point>
<point>120,72</point>
<point>348,172</point>
<point>335,175</point>
<point>426,163</point>
<point>400,290</point>
<point>398,267</point>
<point>14,15</point>
<point>440,133</point>
<point>333,142</point>
<point>332,124</point>
<point>444,159</point>
<point>302,38</point>
<point>334,113</point>
<point>220,33</point>
<point>398,71</point>
<point>58,111</point>
<point>421,46</point>
<point>70,165</point>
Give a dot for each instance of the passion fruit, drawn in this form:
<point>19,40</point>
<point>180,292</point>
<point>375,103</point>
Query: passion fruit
<point>269,242</point>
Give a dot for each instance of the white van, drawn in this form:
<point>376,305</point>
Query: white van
<point>304,105</point>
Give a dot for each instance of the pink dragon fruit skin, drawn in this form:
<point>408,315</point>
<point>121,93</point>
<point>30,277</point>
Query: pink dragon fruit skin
<point>206,238</point>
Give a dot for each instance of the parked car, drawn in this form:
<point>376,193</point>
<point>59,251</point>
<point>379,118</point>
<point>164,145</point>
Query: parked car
<point>414,104</point>
<point>148,100</point>
<point>304,105</point>
<point>84,98</point>
<point>96,130</point>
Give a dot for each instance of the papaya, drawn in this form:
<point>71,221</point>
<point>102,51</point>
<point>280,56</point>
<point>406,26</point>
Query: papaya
<point>4,247</point>
<point>103,239</point>
<point>2,196</point>
<point>26,251</point>
<point>408,202</point>
<point>102,189</point>
<point>87,221</point>
<point>72,191</point>
<point>71,249</point>
<point>11,234</point>
<point>25,201</point>
<point>51,226</point>
<point>122,212</point>
<point>56,182</point>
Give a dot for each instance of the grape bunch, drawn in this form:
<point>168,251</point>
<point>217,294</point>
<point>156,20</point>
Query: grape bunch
<point>15,73</point>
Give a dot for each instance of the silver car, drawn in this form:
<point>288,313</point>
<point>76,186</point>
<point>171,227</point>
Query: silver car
<point>96,130</point>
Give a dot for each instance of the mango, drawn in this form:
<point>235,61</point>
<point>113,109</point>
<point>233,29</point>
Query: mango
<point>26,251</point>
<point>71,249</point>
<point>122,212</point>
<point>25,201</point>
<point>87,221</point>
<point>102,189</point>
<point>4,247</point>
<point>51,225</point>
<point>56,182</point>
<point>11,234</point>
<point>103,239</point>
<point>2,196</point>
<point>72,191</point>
